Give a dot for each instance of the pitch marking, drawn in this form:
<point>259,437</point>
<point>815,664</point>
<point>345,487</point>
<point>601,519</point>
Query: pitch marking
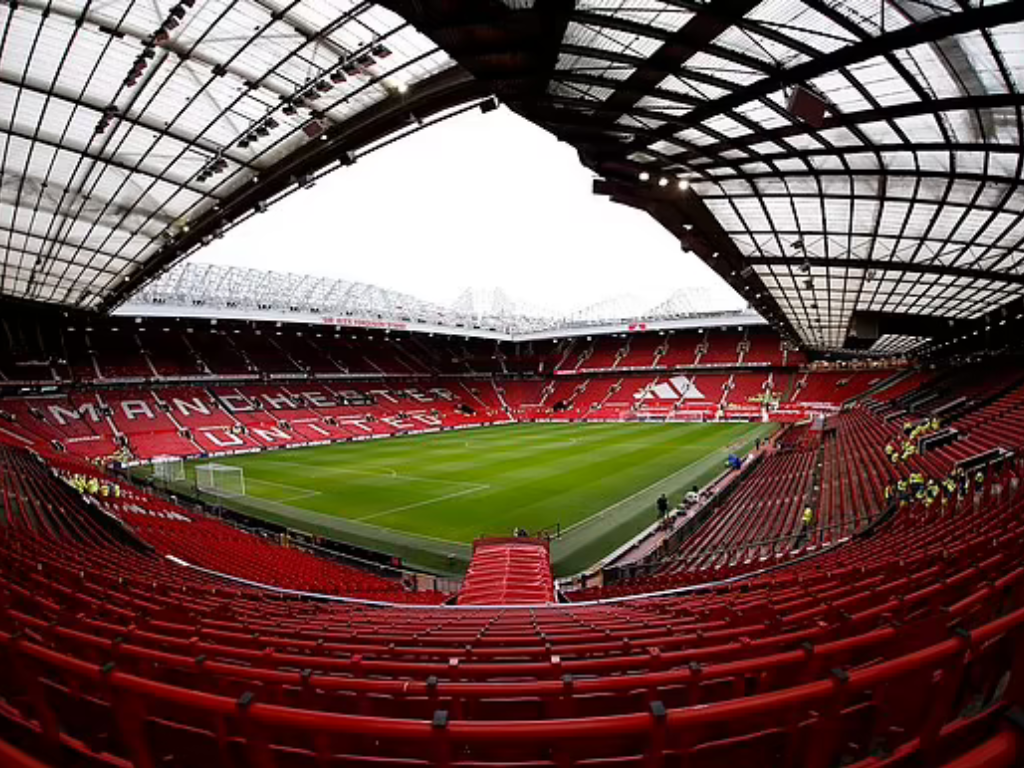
<point>463,492</point>
<point>388,473</point>
<point>304,493</point>
<point>695,462</point>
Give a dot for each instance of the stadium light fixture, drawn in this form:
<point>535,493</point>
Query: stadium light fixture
<point>662,182</point>
<point>645,176</point>
<point>684,184</point>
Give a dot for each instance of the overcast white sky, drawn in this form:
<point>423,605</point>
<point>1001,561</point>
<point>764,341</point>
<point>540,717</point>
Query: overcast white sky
<point>479,201</point>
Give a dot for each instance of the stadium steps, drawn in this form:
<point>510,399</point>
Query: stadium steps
<point>508,571</point>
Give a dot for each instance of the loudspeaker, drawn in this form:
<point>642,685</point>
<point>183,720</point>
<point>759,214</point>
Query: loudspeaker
<point>807,106</point>
<point>864,327</point>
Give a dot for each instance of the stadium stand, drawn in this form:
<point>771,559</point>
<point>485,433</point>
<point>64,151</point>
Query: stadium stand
<point>850,593</point>
<point>847,639</point>
<point>887,602</point>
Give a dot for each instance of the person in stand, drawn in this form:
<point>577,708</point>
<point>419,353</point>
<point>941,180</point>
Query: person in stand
<point>662,506</point>
<point>904,490</point>
<point>807,520</point>
<point>949,490</point>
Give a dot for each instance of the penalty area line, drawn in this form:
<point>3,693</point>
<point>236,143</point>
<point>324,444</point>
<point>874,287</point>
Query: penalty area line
<point>303,493</point>
<point>476,488</point>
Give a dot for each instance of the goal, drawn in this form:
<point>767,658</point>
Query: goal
<point>220,480</point>
<point>169,469</point>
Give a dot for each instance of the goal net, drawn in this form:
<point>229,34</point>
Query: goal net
<point>220,480</point>
<point>169,469</point>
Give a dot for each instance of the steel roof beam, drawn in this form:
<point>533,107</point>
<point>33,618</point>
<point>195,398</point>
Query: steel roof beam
<point>75,101</point>
<point>666,36</point>
<point>891,173</point>
<point>968,20</point>
<point>113,162</point>
<point>447,89</point>
<point>83,265</point>
<point>888,113</point>
<point>142,37</point>
<point>879,265</point>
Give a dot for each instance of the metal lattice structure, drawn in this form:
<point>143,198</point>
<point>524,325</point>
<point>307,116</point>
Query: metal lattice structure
<point>839,162</point>
<point>244,292</point>
<point>852,167</point>
<point>214,286</point>
<point>124,123</point>
<point>895,344</point>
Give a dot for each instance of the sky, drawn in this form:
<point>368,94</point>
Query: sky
<point>480,201</point>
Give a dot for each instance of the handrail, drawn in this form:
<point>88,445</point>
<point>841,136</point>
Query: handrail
<point>12,757</point>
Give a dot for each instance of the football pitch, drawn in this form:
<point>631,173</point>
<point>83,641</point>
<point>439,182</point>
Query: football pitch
<point>426,497</point>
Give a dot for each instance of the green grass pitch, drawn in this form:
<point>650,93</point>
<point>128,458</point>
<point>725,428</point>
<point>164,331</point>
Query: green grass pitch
<point>426,497</point>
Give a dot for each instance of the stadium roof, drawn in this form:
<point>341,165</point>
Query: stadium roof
<point>126,122</point>
<point>195,289</point>
<point>854,168</point>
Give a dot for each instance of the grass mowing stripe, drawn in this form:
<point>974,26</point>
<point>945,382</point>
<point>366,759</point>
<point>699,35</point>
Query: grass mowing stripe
<point>424,497</point>
<point>421,503</point>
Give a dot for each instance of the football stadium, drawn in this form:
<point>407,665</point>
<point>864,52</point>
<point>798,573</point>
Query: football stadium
<point>271,496</point>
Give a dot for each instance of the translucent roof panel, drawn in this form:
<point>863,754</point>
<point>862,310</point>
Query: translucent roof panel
<point>121,121</point>
<point>862,156</point>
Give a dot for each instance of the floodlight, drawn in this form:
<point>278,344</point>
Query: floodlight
<point>645,176</point>
<point>684,184</point>
<point>662,182</point>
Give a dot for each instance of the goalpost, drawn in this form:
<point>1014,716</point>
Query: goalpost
<point>169,469</point>
<point>220,480</point>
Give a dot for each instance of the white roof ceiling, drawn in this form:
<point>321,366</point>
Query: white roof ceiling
<point>916,168</point>
<point>99,165</point>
